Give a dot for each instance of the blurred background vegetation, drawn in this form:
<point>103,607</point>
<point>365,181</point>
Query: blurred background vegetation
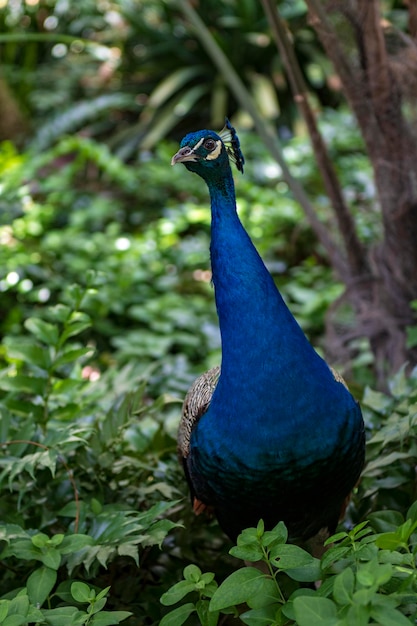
<point>91,92</point>
<point>104,242</point>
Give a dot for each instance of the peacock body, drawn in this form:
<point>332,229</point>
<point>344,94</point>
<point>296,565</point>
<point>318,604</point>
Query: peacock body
<point>274,433</point>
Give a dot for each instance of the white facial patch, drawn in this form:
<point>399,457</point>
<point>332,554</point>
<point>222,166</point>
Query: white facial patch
<point>197,145</point>
<point>214,153</point>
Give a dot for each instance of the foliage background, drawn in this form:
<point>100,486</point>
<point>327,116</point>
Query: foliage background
<point>108,310</point>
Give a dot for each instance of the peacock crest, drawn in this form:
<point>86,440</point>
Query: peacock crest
<point>232,144</point>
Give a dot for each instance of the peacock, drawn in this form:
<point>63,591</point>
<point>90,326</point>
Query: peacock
<point>273,433</point>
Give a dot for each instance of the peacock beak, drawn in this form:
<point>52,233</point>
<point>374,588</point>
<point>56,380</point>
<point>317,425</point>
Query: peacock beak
<point>183,155</point>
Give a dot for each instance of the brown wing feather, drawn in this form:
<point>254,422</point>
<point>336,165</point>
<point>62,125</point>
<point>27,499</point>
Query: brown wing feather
<point>195,405</point>
<point>339,377</point>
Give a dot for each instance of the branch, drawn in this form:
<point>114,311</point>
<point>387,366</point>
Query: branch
<point>69,472</point>
<point>354,84</point>
<point>378,72</point>
<point>412,18</point>
<point>354,250</point>
<point>265,132</point>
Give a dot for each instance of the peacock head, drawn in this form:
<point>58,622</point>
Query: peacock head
<point>207,153</point>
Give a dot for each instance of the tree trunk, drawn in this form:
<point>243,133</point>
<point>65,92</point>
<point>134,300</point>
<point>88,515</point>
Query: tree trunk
<point>12,122</point>
<point>378,85</point>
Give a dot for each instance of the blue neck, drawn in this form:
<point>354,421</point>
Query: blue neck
<point>269,371</point>
<point>254,320</point>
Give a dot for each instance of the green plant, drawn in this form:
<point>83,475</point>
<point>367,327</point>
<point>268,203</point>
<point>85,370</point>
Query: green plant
<point>24,607</point>
<point>389,477</point>
<point>365,578</point>
<point>69,442</point>
<point>132,75</point>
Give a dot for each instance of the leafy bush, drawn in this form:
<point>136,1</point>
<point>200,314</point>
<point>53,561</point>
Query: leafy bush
<point>365,578</point>
<point>89,482</point>
<point>70,443</point>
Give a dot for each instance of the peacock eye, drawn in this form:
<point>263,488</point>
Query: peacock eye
<point>209,144</point>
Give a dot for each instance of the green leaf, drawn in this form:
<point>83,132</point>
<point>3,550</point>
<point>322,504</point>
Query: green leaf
<point>358,615</point>
<point>4,608</point>
<point>260,528</point>
<point>51,557</point>
<point>15,620</point>
<point>267,594</point>
<point>104,554</point>
<point>64,616</point>
<point>68,385</point>
<point>56,540</point>
<point>129,549</point>
<point>287,556</point>
<point>73,543</point>
<point>395,558</point>
<point>288,608</point>
<point>312,610</point>
<point>177,592</point>
<point>399,384</point>
<point>373,573</point>
<point>359,529</point>
<point>264,616</point>
<point>45,332</point>
<point>279,534</point>
<point>24,433</point>
<point>72,355</point>
<point>240,586</point>
<point>389,541</point>
<point>365,595</point>
<point>24,349</point>
<point>109,618</point>
<point>384,461</point>
<point>336,537</point>
<point>206,617</point>
<point>207,578</point>
<point>40,540</point>
<point>247,552</point>
<point>59,313</point>
<point>170,84</point>
<point>34,615</point>
<point>157,533</point>
<point>192,573</point>
<point>24,384</point>
<point>81,592</point>
<point>40,584</point>
<point>20,604</point>
<point>388,616</point>
<point>296,562</point>
<point>22,549</point>
<point>96,606</point>
<point>75,328</point>
<point>344,586</point>
<point>103,593</point>
<point>376,400</point>
<point>386,521</point>
<point>383,574</point>
<point>365,577</point>
<point>178,616</point>
<point>248,546</point>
